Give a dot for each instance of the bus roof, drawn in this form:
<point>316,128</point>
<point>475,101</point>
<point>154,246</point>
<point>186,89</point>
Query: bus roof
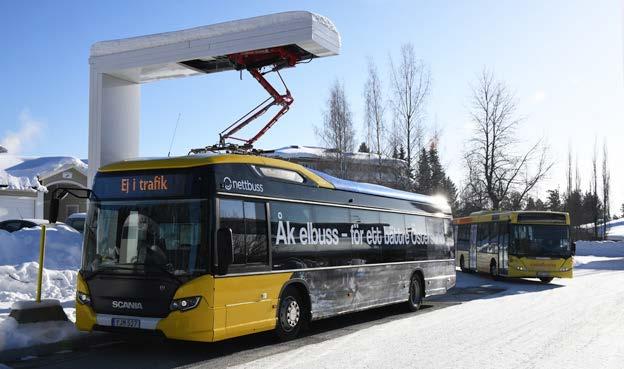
<point>321,179</point>
<point>526,216</point>
<point>378,190</point>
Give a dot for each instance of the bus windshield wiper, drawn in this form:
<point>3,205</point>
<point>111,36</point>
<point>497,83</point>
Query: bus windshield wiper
<point>162,268</point>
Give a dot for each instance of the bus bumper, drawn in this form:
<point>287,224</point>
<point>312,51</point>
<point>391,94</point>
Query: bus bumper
<point>539,268</point>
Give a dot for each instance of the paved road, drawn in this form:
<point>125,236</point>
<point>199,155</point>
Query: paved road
<point>111,351</point>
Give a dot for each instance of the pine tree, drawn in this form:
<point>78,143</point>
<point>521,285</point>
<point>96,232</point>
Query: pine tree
<point>364,148</point>
<point>423,174</point>
<point>554,200</point>
<point>437,173</point>
<point>530,204</point>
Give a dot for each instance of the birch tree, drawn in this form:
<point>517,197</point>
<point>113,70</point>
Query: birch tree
<point>496,164</point>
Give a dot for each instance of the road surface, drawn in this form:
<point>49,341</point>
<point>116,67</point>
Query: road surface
<point>577,323</point>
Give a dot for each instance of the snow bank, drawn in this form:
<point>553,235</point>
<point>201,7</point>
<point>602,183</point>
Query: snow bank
<point>19,283</point>
<point>14,335</point>
<point>63,247</point>
<point>600,248</point>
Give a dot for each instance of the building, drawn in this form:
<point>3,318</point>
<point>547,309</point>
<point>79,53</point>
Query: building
<point>360,166</point>
<point>26,185</point>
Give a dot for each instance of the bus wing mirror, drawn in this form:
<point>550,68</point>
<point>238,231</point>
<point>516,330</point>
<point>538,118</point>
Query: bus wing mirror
<point>57,196</point>
<point>224,249</point>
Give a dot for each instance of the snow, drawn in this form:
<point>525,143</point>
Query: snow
<point>615,229</point>
<point>63,247</point>
<point>14,335</point>
<point>212,31</point>
<point>18,285</point>
<point>22,173</point>
<point>570,323</point>
<point>311,152</point>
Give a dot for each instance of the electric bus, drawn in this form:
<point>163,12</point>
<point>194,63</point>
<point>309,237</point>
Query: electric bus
<point>526,244</point>
<point>213,246</point>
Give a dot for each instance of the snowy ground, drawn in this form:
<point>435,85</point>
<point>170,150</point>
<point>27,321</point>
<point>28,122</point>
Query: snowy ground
<point>576,323</point>
<point>573,323</point>
<point>18,281</point>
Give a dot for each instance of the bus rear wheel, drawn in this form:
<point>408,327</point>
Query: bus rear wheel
<point>415,294</point>
<point>546,280</point>
<point>291,316</point>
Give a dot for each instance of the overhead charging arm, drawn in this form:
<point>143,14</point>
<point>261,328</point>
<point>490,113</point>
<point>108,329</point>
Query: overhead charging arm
<point>253,62</point>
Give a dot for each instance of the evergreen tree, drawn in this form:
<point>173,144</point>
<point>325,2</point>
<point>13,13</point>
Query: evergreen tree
<point>530,204</point>
<point>437,173</point>
<point>401,153</point>
<point>539,205</point>
<point>364,148</point>
<point>423,174</point>
<point>554,200</point>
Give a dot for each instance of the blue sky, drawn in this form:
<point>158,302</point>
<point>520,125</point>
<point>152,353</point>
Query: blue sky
<point>563,60</point>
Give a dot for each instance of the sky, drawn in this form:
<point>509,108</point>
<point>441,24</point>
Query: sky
<point>562,59</point>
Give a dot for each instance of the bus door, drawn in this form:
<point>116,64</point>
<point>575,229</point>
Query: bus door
<point>503,247</point>
<point>472,252</point>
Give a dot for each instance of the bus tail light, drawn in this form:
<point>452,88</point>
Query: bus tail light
<point>185,304</point>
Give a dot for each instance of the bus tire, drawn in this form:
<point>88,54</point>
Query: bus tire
<point>462,264</point>
<point>546,280</point>
<point>291,315</point>
<point>493,270</point>
<point>415,293</point>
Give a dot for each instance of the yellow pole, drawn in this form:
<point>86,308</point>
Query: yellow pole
<point>41,253</point>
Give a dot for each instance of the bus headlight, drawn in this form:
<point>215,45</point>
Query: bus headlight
<point>564,269</point>
<point>185,304</point>
<point>520,267</point>
<point>83,298</point>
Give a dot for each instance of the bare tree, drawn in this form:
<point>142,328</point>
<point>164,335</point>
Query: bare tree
<point>594,188</point>
<point>374,115</point>
<point>606,179</point>
<point>410,81</point>
<point>337,132</point>
<point>495,165</point>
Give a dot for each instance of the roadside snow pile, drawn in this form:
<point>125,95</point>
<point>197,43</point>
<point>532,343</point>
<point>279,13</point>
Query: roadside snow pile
<point>20,283</point>
<point>14,335</point>
<point>600,248</point>
<point>63,247</point>
<point>20,183</point>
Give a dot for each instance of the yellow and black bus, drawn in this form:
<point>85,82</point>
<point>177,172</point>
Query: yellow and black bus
<point>209,247</point>
<point>526,244</point>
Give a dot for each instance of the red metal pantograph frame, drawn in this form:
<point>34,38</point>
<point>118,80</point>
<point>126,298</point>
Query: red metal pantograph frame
<point>253,61</point>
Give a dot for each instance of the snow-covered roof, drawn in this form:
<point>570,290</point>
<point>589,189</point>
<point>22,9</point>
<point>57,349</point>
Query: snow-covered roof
<point>378,190</point>
<point>162,55</point>
<point>312,152</point>
<point>23,173</point>
<point>251,25</point>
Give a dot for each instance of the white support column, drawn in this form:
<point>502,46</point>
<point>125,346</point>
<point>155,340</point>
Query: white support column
<point>114,120</point>
<point>39,204</point>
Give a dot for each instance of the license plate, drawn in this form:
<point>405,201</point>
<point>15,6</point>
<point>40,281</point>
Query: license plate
<point>543,274</point>
<point>126,323</point>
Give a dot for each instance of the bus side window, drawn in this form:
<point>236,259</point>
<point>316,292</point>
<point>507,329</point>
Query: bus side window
<point>394,246</point>
<point>232,216</point>
<point>503,234</point>
<point>493,247</point>
<point>417,231</point>
<point>369,250</point>
<point>482,236</point>
<point>256,233</point>
<point>247,220</point>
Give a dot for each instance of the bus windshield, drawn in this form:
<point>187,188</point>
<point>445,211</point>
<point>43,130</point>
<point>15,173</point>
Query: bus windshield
<point>165,236</point>
<point>541,240</point>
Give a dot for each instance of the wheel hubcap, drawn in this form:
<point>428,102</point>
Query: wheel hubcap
<point>415,293</point>
<point>290,314</point>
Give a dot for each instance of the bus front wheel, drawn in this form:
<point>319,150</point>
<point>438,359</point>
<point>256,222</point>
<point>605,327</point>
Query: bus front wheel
<point>291,315</point>
<point>546,280</point>
<point>415,294</point>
